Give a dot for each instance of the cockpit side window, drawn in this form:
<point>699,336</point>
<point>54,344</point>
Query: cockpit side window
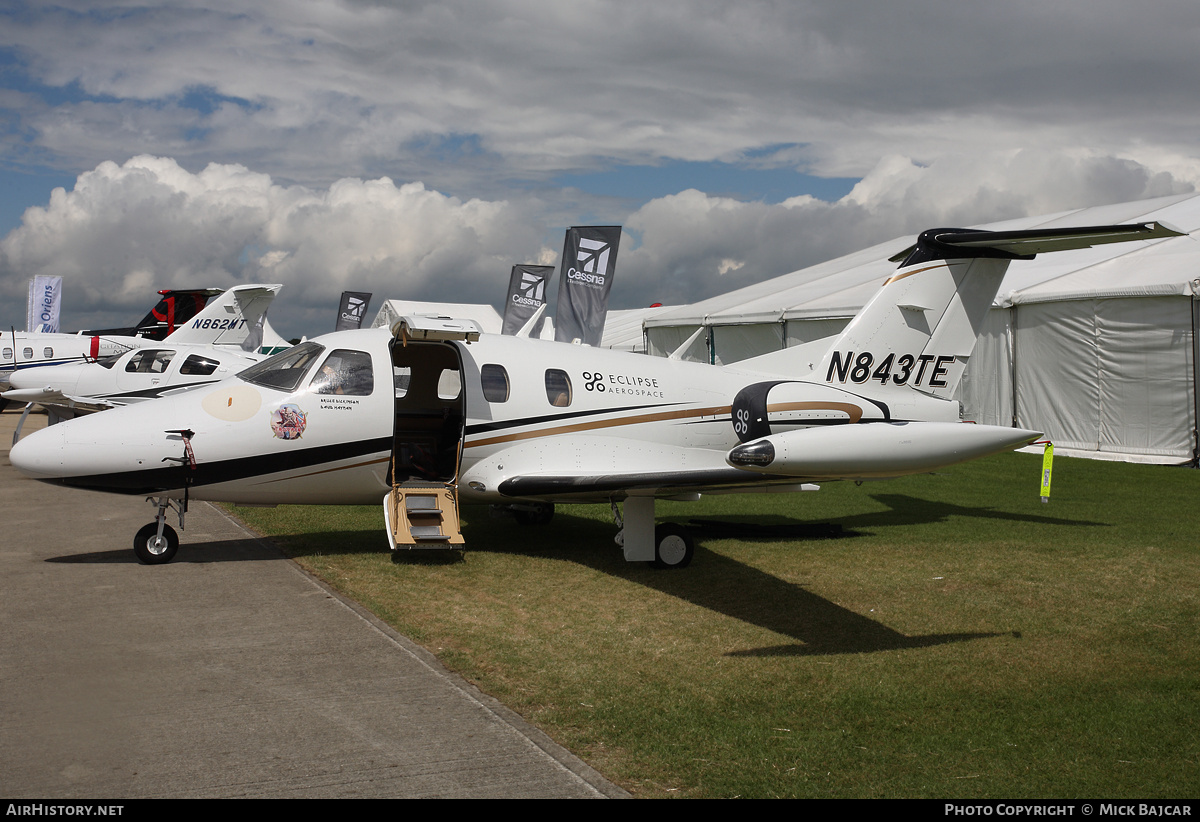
<point>285,370</point>
<point>558,388</point>
<point>150,361</point>
<point>495,383</point>
<point>198,366</point>
<point>345,372</point>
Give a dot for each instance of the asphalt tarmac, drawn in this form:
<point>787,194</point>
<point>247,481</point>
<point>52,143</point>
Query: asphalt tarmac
<point>226,673</point>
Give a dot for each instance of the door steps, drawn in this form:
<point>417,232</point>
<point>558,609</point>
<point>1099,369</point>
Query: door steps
<point>423,515</point>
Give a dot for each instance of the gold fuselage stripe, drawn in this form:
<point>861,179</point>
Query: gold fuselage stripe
<point>853,411</point>
<point>715,410</point>
<point>896,277</point>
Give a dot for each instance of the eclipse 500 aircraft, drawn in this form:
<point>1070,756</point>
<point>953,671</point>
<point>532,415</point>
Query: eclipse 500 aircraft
<point>433,413</point>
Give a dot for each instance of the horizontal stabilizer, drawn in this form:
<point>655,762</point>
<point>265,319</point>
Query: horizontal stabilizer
<point>949,243</point>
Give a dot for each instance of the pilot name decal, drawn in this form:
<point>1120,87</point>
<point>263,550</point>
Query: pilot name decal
<point>622,384</point>
<point>905,369</point>
<point>218,324</point>
<point>288,421</point>
<point>338,403</point>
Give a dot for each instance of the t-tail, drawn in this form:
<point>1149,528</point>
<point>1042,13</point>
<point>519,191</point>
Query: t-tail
<point>900,360</point>
<point>235,318</point>
<point>920,328</point>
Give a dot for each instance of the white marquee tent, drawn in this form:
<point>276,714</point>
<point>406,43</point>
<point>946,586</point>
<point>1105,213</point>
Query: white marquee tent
<point>1095,347</point>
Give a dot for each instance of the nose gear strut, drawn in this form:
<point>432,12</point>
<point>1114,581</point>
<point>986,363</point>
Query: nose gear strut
<point>157,542</point>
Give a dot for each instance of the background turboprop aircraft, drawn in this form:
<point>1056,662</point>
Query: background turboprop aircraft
<point>434,414</point>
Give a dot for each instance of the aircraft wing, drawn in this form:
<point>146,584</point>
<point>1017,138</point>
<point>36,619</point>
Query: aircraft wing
<point>597,468</point>
<point>59,401</point>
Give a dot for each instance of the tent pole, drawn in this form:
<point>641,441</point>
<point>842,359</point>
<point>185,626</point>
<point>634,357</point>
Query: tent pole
<point>1012,360</point>
<point>1195,385</point>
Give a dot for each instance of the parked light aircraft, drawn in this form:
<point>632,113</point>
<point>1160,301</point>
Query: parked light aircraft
<point>177,315</point>
<point>33,349</point>
<point>229,324</point>
<point>432,414</point>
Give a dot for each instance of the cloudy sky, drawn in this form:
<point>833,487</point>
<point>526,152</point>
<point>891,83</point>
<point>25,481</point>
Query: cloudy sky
<point>419,149</point>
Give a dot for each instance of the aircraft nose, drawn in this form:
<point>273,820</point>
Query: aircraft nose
<point>40,454</point>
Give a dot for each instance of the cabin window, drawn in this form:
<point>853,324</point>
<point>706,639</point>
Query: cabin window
<point>285,370</point>
<point>8,353</point>
<point>449,384</point>
<point>345,372</point>
<point>27,353</point>
<point>48,353</point>
<point>495,383</point>
<point>197,366</point>
<point>558,388</point>
<point>150,361</point>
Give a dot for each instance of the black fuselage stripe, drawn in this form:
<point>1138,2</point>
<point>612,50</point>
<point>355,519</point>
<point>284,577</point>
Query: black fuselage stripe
<point>170,477</point>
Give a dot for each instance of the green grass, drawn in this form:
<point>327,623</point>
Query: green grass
<point>960,639</point>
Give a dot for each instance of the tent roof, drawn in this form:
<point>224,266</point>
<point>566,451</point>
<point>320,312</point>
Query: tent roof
<point>839,287</point>
<point>623,327</point>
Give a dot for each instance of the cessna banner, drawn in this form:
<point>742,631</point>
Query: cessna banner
<point>432,414</point>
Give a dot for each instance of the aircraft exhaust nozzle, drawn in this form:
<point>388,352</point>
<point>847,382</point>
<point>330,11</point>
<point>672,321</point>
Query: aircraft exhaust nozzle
<point>877,449</point>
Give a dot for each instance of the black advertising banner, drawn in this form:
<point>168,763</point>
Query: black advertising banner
<point>527,287</point>
<point>352,310</point>
<point>588,264</point>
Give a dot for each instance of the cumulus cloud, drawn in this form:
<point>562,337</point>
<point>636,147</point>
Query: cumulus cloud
<point>126,230</point>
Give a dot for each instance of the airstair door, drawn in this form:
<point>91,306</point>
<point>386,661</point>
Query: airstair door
<point>430,418</point>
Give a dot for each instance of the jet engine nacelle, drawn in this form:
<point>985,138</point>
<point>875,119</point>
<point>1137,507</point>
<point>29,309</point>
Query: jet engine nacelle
<point>874,449</point>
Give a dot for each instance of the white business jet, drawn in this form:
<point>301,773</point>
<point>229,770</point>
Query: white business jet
<point>432,414</point>
<point>224,338</point>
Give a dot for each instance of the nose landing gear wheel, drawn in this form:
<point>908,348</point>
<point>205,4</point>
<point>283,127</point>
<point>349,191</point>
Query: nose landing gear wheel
<point>152,550</point>
<point>673,546</point>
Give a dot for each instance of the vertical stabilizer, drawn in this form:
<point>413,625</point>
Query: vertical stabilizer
<point>920,328</point>
<point>918,331</point>
<point>230,318</point>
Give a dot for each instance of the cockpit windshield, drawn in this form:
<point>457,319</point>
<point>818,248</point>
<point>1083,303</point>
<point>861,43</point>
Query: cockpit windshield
<point>286,369</point>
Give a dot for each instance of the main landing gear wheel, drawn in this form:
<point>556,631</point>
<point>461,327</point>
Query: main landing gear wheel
<point>153,550</point>
<point>537,515</point>
<point>673,546</point>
